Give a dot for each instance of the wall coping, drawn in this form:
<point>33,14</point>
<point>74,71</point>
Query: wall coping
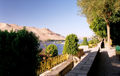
<point>83,68</point>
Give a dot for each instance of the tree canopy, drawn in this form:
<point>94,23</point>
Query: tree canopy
<point>98,26</point>
<point>52,50</point>
<point>71,44</point>
<point>94,40</point>
<point>106,9</point>
<point>85,42</point>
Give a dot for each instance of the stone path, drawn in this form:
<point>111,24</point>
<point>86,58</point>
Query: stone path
<point>108,63</point>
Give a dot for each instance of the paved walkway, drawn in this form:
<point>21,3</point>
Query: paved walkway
<point>108,63</point>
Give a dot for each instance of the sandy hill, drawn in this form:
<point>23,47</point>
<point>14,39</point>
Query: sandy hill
<point>42,33</point>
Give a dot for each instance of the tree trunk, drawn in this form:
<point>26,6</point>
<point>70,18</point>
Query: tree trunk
<point>108,35</point>
<point>108,32</point>
<point>104,42</point>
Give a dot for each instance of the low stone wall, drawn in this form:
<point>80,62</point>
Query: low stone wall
<point>83,68</point>
<point>93,67</point>
<point>62,69</point>
<point>67,68</point>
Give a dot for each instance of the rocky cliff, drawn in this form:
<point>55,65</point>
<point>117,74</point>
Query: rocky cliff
<point>42,33</point>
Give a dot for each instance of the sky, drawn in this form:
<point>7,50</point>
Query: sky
<point>60,16</point>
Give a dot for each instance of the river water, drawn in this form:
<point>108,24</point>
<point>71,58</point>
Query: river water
<point>59,44</point>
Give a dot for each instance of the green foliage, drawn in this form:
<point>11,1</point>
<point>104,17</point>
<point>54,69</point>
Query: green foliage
<point>52,50</point>
<point>71,44</point>
<point>93,41</point>
<point>117,48</point>
<point>115,32</point>
<point>105,9</point>
<point>18,53</point>
<point>99,27</point>
<point>85,42</point>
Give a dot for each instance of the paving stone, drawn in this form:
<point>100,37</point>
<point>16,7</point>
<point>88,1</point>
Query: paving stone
<point>81,75</point>
<point>79,71</point>
<point>85,68</point>
<point>71,74</point>
<point>91,58</point>
<point>89,63</point>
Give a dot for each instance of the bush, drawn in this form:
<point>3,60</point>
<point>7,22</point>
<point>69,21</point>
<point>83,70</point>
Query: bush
<point>94,41</point>
<point>85,42</point>
<point>18,53</point>
<point>71,44</point>
<point>51,50</point>
<point>117,48</point>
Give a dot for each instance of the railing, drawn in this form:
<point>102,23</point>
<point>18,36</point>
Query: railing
<point>51,62</point>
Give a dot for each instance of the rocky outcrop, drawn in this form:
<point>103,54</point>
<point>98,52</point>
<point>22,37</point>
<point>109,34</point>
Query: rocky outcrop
<point>42,33</point>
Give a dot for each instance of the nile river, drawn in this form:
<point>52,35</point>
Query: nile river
<point>57,43</point>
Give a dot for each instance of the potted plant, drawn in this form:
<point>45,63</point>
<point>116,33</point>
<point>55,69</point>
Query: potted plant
<point>118,50</point>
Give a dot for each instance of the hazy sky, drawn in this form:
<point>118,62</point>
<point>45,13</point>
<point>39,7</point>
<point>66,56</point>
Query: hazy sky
<point>60,16</point>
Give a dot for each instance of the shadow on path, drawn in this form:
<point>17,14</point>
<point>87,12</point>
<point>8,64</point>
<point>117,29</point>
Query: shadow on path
<point>105,65</point>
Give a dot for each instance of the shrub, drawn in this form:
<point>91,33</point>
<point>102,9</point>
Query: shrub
<point>18,53</point>
<point>94,41</point>
<point>71,44</point>
<point>85,42</point>
<point>117,48</point>
<point>51,50</point>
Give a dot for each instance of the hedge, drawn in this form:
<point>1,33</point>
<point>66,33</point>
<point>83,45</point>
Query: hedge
<point>18,53</point>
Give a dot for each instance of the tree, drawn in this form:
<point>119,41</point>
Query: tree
<point>94,41</point>
<point>52,50</point>
<point>71,44</point>
<point>105,9</point>
<point>98,26</point>
<point>85,42</point>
